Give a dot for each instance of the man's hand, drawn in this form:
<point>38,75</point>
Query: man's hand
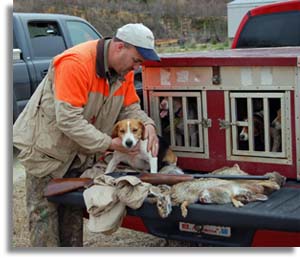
<point>150,134</point>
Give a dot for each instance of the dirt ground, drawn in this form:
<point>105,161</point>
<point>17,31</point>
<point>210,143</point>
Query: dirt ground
<point>121,238</point>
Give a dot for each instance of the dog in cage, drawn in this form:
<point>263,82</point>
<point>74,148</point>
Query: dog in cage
<point>258,131</point>
<point>178,120</point>
<point>275,133</point>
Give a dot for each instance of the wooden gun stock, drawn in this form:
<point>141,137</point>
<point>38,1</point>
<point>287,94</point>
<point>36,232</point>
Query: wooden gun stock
<point>64,185</point>
<point>157,179</point>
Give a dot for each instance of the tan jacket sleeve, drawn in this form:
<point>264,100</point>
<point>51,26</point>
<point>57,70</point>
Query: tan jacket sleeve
<point>71,122</point>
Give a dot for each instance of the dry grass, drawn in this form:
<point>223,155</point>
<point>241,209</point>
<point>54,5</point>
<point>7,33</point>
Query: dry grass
<point>20,225</point>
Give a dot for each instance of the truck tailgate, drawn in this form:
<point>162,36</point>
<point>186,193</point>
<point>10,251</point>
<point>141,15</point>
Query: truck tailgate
<point>281,212</point>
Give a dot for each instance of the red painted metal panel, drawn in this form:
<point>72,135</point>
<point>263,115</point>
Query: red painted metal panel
<point>217,145</point>
<point>269,238</point>
<point>254,168</point>
<point>276,7</point>
<point>135,223</point>
<point>285,56</point>
<point>216,105</point>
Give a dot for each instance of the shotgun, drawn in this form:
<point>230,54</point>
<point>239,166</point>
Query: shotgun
<point>63,185</point>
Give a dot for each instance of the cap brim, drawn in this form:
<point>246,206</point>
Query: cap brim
<point>148,54</point>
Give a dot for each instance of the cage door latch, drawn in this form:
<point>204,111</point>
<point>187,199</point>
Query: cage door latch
<point>206,123</point>
<point>226,124</point>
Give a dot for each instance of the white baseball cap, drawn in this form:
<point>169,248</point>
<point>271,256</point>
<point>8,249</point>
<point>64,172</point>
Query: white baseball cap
<point>141,37</point>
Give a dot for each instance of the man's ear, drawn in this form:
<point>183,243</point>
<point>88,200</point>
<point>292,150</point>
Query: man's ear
<point>120,45</point>
<point>115,131</point>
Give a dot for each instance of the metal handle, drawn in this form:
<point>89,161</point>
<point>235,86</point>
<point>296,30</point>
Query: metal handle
<point>226,124</point>
<point>43,73</point>
<point>206,122</point>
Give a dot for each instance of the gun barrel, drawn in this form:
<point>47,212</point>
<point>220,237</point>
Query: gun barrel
<point>175,179</point>
<point>231,177</point>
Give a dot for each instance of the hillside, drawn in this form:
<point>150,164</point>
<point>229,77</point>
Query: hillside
<point>197,21</point>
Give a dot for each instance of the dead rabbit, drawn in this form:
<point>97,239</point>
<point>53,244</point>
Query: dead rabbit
<point>217,191</point>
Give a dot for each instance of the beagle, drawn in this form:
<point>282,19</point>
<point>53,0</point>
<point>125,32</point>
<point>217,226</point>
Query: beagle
<point>258,132</point>
<point>178,120</point>
<point>131,131</point>
<point>275,132</point>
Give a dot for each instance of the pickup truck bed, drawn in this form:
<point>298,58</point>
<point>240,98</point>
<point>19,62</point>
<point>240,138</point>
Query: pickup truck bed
<point>281,212</point>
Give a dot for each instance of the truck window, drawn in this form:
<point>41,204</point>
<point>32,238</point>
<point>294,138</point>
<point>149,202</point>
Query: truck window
<point>46,39</point>
<point>271,30</point>
<point>80,32</point>
<point>15,44</point>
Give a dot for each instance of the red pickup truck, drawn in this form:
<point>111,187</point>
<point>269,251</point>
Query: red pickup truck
<point>271,25</point>
<point>223,87</point>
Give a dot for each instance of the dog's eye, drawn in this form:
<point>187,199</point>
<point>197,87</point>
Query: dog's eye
<point>122,131</point>
<point>134,130</point>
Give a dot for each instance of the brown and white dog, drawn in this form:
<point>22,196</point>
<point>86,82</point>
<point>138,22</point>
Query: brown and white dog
<point>131,131</point>
<point>275,132</point>
<point>258,132</point>
<point>178,120</point>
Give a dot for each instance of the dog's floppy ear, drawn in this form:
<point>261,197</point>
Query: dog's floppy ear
<point>115,130</point>
<point>141,124</point>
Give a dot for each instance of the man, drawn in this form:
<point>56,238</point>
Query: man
<point>69,119</point>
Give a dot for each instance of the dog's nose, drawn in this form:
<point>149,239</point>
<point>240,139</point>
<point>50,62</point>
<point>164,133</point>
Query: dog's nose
<point>129,143</point>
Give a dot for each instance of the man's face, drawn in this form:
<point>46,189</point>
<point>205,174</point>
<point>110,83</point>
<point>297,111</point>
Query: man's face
<point>129,60</point>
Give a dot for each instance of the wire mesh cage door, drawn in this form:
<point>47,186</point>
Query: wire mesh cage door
<point>258,121</point>
<point>179,118</point>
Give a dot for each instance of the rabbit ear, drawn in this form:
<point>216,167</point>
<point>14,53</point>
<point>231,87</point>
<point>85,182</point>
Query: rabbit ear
<point>154,191</point>
<point>164,188</point>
